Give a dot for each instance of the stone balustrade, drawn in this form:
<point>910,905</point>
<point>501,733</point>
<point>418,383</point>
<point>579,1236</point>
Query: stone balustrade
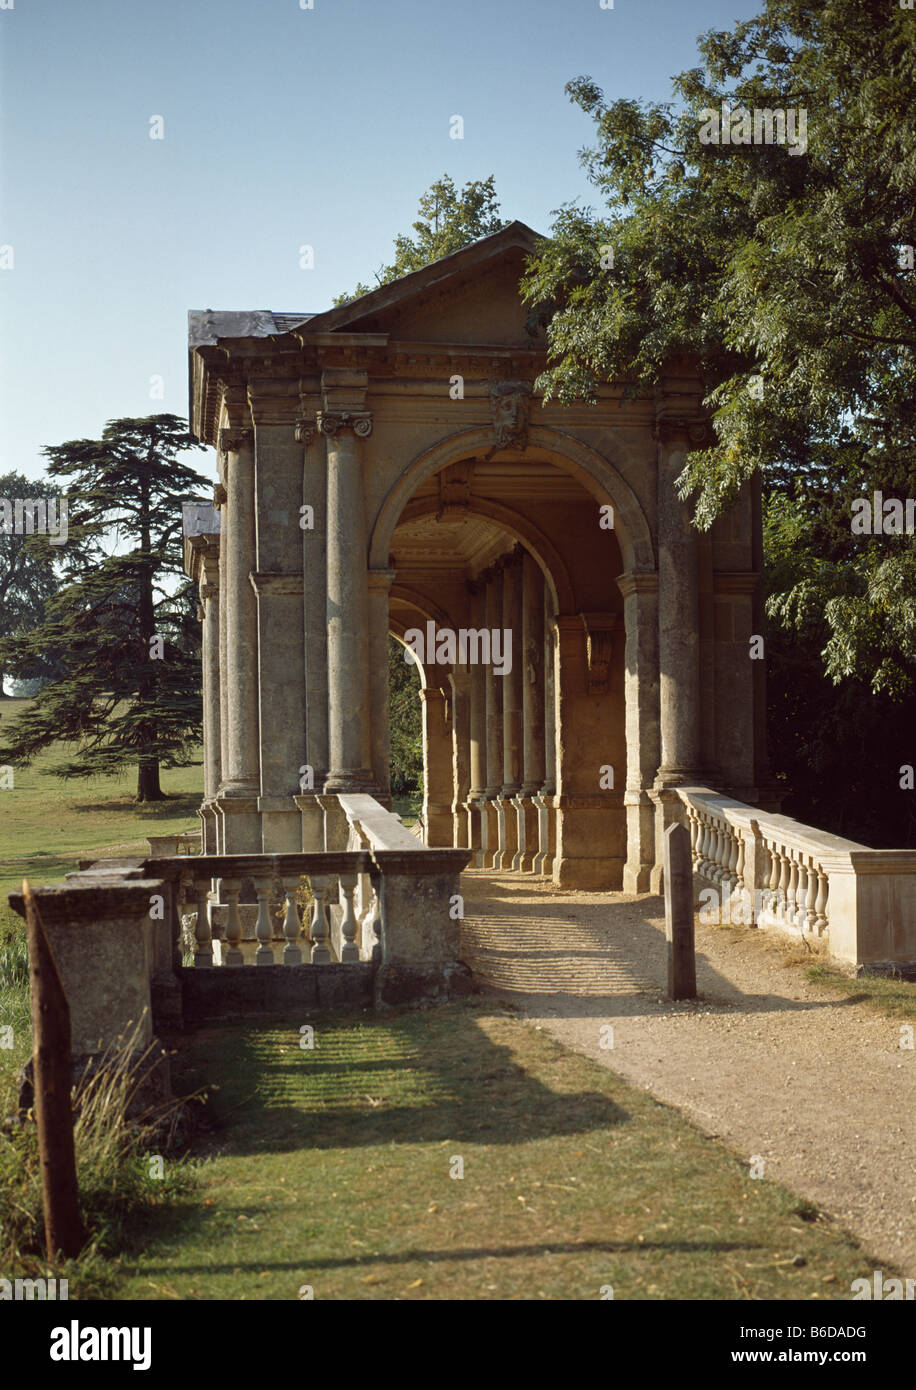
<point>771,871</point>
<point>277,940</point>
<point>382,928</point>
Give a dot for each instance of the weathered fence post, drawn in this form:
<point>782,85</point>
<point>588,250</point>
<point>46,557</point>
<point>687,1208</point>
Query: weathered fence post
<point>682,964</point>
<point>51,1063</point>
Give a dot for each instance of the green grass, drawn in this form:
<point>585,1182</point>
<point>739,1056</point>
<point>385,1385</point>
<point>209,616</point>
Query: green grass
<point>894,998</point>
<point>46,826</point>
<point>331,1168</point>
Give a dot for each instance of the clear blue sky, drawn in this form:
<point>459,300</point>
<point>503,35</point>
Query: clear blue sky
<point>283,126</point>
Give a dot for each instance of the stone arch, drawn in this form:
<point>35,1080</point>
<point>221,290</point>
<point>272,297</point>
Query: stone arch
<point>397,630</point>
<point>423,605</point>
<point>523,529</point>
<point>596,472</point>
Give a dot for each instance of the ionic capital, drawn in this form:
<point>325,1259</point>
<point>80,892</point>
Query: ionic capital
<point>331,423</point>
<point>232,441</point>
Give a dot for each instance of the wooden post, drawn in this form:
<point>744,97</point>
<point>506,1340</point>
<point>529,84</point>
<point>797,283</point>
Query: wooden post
<point>682,963</point>
<point>52,1077</point>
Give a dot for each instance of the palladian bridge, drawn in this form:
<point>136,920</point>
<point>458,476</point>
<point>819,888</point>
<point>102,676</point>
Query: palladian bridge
<point>591,668</point>
<point>387,465</point>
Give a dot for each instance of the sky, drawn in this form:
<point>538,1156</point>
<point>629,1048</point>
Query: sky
<point>282,127</point>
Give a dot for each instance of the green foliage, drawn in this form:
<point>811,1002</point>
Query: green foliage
<point>756,262</point>
<point>14,956</point>
<point>449,219</point>
<point>123,585</point>
<point>118,1187</point>
<point>26,566</point>
<point>405,724</point>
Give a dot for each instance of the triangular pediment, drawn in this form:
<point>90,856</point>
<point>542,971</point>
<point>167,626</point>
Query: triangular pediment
<point>471,296</point>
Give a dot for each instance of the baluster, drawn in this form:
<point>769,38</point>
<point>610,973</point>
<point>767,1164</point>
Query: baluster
<point>320,929</point>
<point>203,954</point>
<point>740,861</point>
<point>231,889</point>
<point>801,894</point>
<point>713,850</point>
<point>697,836</point>
<point>702,838</point>
<point>718,853</point>
<point>745,899</point>
<point>792,891</point>
<point>820,906</point>
<point>291,952</point>
<point>781,886</point>
<point>263,927</point>
<point>811,898</point>
<point>710,849</point>
<point>775,870</point>
<point>349,950</point>
<point>731,868</point>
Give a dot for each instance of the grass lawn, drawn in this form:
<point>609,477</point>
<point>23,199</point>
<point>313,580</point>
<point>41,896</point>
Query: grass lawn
<point>895,998</point>
<point>47,824</point>
<point>332,1168</point>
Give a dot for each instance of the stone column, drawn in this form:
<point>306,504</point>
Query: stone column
<point>493,687</point>
<point>281,626</point>
<point>210,643</point>
<point>219,502</point>
<point>350,754</point>
<point>460,683</point>
<point>380,582</point>
<point>678,631</point>
<point>640,594</point>
<point>512,710</point>
<point>477,816</point>
<point>531,658</point>
<point>282,684</point>
<point>238,800</point>
<point>315,622</point>
<point>679,612</point>
<point>544,800</point>
<point>437,768</point>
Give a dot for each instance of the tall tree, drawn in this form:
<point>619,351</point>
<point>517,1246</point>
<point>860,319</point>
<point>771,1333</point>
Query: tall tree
<point>122,628</point>
<point>449,219</point>
<point>782,259</point>
<point>26,559</point>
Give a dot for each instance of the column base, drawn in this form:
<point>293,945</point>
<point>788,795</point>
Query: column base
<point>490,810</point>
<point>508,831</point>
<point>586,824</point>
<point>640,812</point>
<point>311,829</point>
<point>547,830</point>
<point>241,824</point>
<point>527,817</point>
<point>281,825</point>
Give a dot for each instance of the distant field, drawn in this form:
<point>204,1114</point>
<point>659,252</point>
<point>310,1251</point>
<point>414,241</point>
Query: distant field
<point>47,824</point>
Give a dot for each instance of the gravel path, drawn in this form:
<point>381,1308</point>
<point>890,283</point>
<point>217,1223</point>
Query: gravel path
<point>766,1061</point>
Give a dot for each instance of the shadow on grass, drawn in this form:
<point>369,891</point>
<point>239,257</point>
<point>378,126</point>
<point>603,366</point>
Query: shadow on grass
<point>172,804</point>
<point>415,1079</point>
<point>475,1252</point>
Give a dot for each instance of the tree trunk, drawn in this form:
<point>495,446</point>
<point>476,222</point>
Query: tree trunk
<point>148,788</point>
